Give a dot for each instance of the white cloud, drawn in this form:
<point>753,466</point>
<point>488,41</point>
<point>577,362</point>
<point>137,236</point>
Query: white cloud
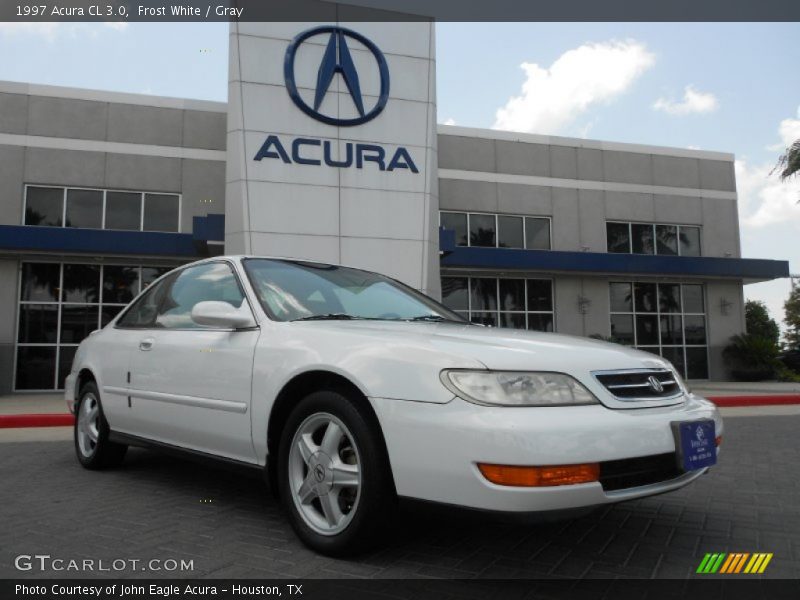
<point>50,30</point>
<point>789,130</point>
<point>583,132</point>
<point>450,121</point>
<point>763,198</point>
<point>116,25</point>
<point>554,97</point>
<point>694,102</point>
<point>45,30</point>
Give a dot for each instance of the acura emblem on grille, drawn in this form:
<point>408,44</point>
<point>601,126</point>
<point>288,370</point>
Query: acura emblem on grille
<point>655,384</point>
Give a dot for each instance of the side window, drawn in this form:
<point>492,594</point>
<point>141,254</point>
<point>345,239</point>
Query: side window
<point>143,312</point>
<point>210,281</point>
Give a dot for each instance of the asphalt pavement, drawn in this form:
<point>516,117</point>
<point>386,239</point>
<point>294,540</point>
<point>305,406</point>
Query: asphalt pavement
<point>228,525</point>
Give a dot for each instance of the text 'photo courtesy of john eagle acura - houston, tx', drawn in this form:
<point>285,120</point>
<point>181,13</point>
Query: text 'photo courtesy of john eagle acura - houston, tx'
<point>352,390</point>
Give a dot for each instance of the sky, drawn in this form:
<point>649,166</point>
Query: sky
<point>724,87</point>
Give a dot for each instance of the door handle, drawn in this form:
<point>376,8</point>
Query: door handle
<point>146,344</point>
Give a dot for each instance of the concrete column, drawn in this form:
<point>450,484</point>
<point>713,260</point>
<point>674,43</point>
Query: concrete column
<point>9,295</point>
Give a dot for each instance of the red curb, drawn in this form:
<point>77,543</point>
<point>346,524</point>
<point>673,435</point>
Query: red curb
<point>44,420</point>
<point>781,399</point>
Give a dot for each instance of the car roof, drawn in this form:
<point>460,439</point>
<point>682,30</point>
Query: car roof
<point>240,257</point>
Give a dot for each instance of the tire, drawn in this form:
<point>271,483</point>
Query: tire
<point>91,430</point>
<point>334,477</point>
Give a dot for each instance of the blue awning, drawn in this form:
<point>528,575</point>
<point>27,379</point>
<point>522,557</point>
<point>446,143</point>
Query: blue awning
<point>22,238</point>
<point>507,259</point>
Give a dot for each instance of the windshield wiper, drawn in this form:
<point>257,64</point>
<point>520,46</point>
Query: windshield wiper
<point>328,317</point>
<point>432,318</point>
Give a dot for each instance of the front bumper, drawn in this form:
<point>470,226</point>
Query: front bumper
<point>434,448</point>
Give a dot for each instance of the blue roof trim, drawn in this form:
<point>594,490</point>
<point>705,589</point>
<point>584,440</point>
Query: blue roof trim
<point>447,241</point>
<point>98,241</point>
<point>210,228</point>
<point>597,262</point>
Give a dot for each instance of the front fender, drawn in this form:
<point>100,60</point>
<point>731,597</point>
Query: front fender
<point>392,369</point>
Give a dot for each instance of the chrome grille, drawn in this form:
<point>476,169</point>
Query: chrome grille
<point>640,384</point>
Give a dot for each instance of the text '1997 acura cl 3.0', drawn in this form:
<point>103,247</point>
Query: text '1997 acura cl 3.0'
<point>353,390</point>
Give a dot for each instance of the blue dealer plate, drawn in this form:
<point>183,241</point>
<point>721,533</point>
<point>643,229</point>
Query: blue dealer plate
<point>695,444</point>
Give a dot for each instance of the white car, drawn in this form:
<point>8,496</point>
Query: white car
<point>352,390</point>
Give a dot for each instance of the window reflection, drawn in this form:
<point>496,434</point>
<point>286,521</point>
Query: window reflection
<point>482,230</point>
<point>53,322</point>
<point>497,231</point>
<point>664,318</point>
<point>652,238</point>
<point>501,302</point>
<point>44,206</point>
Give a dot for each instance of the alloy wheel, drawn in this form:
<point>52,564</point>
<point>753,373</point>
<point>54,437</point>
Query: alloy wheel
<point>88,424</point>
<point>324,473</point>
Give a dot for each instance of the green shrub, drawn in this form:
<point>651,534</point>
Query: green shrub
<point>784,373</point>
<point>752,357</point>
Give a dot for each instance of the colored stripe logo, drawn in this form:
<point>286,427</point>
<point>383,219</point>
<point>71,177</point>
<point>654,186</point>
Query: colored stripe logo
<point>735,562</point>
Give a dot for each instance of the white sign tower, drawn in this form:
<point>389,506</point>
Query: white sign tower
<point>332,145</point>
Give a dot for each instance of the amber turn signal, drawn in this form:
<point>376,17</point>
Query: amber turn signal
<point>514,475</point>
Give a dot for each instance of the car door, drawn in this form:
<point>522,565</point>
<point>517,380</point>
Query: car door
<point>191,384</point>
<point>116,346</point>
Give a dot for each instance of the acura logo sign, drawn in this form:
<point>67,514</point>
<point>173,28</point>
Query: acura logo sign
<point>314,151</point>
<point>337,59</point>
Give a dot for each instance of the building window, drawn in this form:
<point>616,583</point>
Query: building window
<point>482,230</point>
<point>161,212</point>
<point>642,238</point>
<point>101,209</point>
<point>505,302</point>
<point>498,231</point>
<point>62,303</point>
<point>537,233</point>
<point>458,223</point>
<point>123,211</point>
<point>44,206</point>
<point>84,209</point>
<point>668,319</point>
<point>689,238</point>
<point>651,238</point>
<point>510,232</point>
<point>667,239</point>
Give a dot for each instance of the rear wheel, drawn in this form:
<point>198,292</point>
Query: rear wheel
<point>92,446</point>
<point>334,479</point>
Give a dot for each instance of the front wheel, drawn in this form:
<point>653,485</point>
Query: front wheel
<point>334,479</point>
<point>92,446</point>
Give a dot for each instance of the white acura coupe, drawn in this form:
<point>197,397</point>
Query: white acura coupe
<point>351,390</point>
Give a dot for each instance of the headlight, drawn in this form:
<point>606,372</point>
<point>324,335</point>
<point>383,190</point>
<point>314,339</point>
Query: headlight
<point>515,388</point>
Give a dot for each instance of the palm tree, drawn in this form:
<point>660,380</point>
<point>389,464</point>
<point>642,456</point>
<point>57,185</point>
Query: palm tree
<point>789,162</point>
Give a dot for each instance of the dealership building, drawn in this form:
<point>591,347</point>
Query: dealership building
<point>328,150</point>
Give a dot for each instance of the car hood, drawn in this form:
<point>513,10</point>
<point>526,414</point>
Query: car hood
<point>499,348</point>
<point>399,359</point>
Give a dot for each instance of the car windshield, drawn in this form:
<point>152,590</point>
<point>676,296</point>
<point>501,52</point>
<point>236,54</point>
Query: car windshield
<point>298,290</point>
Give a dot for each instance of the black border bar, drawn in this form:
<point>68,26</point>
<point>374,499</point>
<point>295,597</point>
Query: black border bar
<point>401,10</point>
<point>704,587</point>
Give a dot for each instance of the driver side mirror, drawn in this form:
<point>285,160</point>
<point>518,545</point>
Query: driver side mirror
<point>213,313</point>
